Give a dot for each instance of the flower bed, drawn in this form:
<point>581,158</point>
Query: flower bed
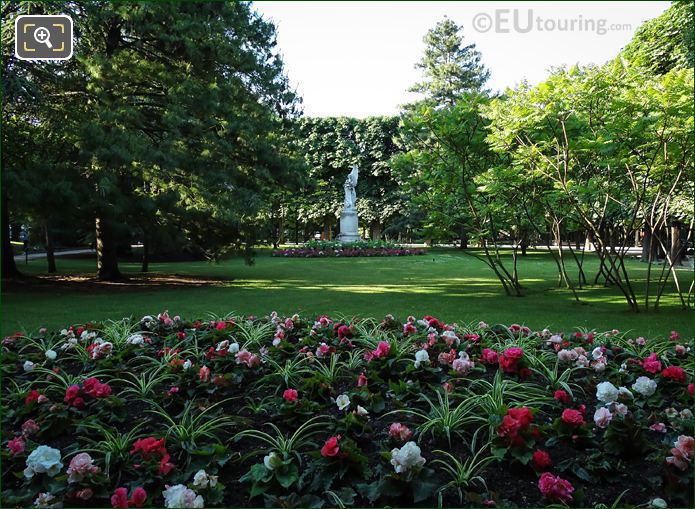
<point>322,412</point>
<point>331,249</point>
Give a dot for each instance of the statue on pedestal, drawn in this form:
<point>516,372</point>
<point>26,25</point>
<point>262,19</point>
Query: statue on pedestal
<point>349,228</point>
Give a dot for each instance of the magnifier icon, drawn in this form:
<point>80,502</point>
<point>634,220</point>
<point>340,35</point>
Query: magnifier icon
<point>43,36</point>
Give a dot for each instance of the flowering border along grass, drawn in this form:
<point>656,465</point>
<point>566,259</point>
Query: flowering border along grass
<point>243,411</point>
<point>335,249</point>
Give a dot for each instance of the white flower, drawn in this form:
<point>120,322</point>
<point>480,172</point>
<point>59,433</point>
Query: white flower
<point>272,461</point>
<point>659,503</point>
<point>343,401</point>
<point>450,337</point>
<point>135,339</point>
<point>222,345</point>
<point>201,479</point>
<point>597,353</point>
<point>606,392</point>
<point>179,496</point>
<point>420,357</point>
<point>188,364</point>
<point>45,500</point>
<point>51,355</point>
<point>43,460</point>
<point>234,348</point>
<point>29,366</point>
<point>602,417</point>
<point>567,355</point>
<point>625,393</point>
<point>582,362</point>
<point>686,413</point>
<point>361,411</point>
<point>645,386</point>
<point>406,458</point>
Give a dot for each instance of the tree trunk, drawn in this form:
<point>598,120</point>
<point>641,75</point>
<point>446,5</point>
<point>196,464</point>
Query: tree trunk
<point>9,267</point>
<point>107,260</point>
<point>375,233</point>
<point>676,251</point>
<point>464,238</point>
<point>48,246</point>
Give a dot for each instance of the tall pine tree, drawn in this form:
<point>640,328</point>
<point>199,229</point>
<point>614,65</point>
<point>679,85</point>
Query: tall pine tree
<point>450,68</point>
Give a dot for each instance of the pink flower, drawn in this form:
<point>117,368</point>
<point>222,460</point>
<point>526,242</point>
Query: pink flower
<point>119,499</point>
<point>246,357</point>
<point>16,445</point>
<point>290,395</point>
<point>514,353</point>
<point>382,349</point>
<point>204,374</point>
<point>330,448</point>
<point>400,432</point>
<point>489,356</point>
<point>84,494</point>
<point>541,461</point>
<point>81,466</point>
<point>447,357</point>
<point>682,453</point>
<point>675,373</point>
<point>659,427</point>
<point>30,427</point>
<point>555,488</point>
<point>674,336</point>
<point>602,417</point>
<point>651,364</point>
<point>361,380</point>
<point>408,329</point>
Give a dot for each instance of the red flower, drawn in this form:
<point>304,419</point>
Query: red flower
<point>164,466</point>
<point>119,499</point>
<point>555,488</point>
<point>102,391</point>
<point>71,393</point>
<point>78,403</point>
<point>691,389</point>
<point>523,415</point>
<point>204,374</point>
<point>343,331</point>
<point>361,380</point>
<point>651,364</point>
<point>31,397</point>
<point>89,385</point>
<point>507,364</point>
<point>290,395</point>
<point>675,373</point>
<point>138,497</point>
<point>572,417</point>
<point>148,447</point>
<point>562,397</point>
<point>541,461</point>
<point>330,448</point>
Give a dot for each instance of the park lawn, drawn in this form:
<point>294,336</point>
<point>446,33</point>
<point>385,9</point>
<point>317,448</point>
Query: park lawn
<point>444,283</point>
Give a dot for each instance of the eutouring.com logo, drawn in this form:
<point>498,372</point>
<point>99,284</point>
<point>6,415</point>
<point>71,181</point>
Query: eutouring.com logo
<point>504,21</point>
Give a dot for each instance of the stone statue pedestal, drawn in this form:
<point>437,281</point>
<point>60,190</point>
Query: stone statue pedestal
<point>349,230</point>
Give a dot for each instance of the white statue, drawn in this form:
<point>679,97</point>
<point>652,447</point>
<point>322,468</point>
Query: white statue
<point>350,186</point>
<point>349,227</point>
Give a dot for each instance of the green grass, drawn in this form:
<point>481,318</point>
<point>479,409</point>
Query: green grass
<point>444,283</point>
